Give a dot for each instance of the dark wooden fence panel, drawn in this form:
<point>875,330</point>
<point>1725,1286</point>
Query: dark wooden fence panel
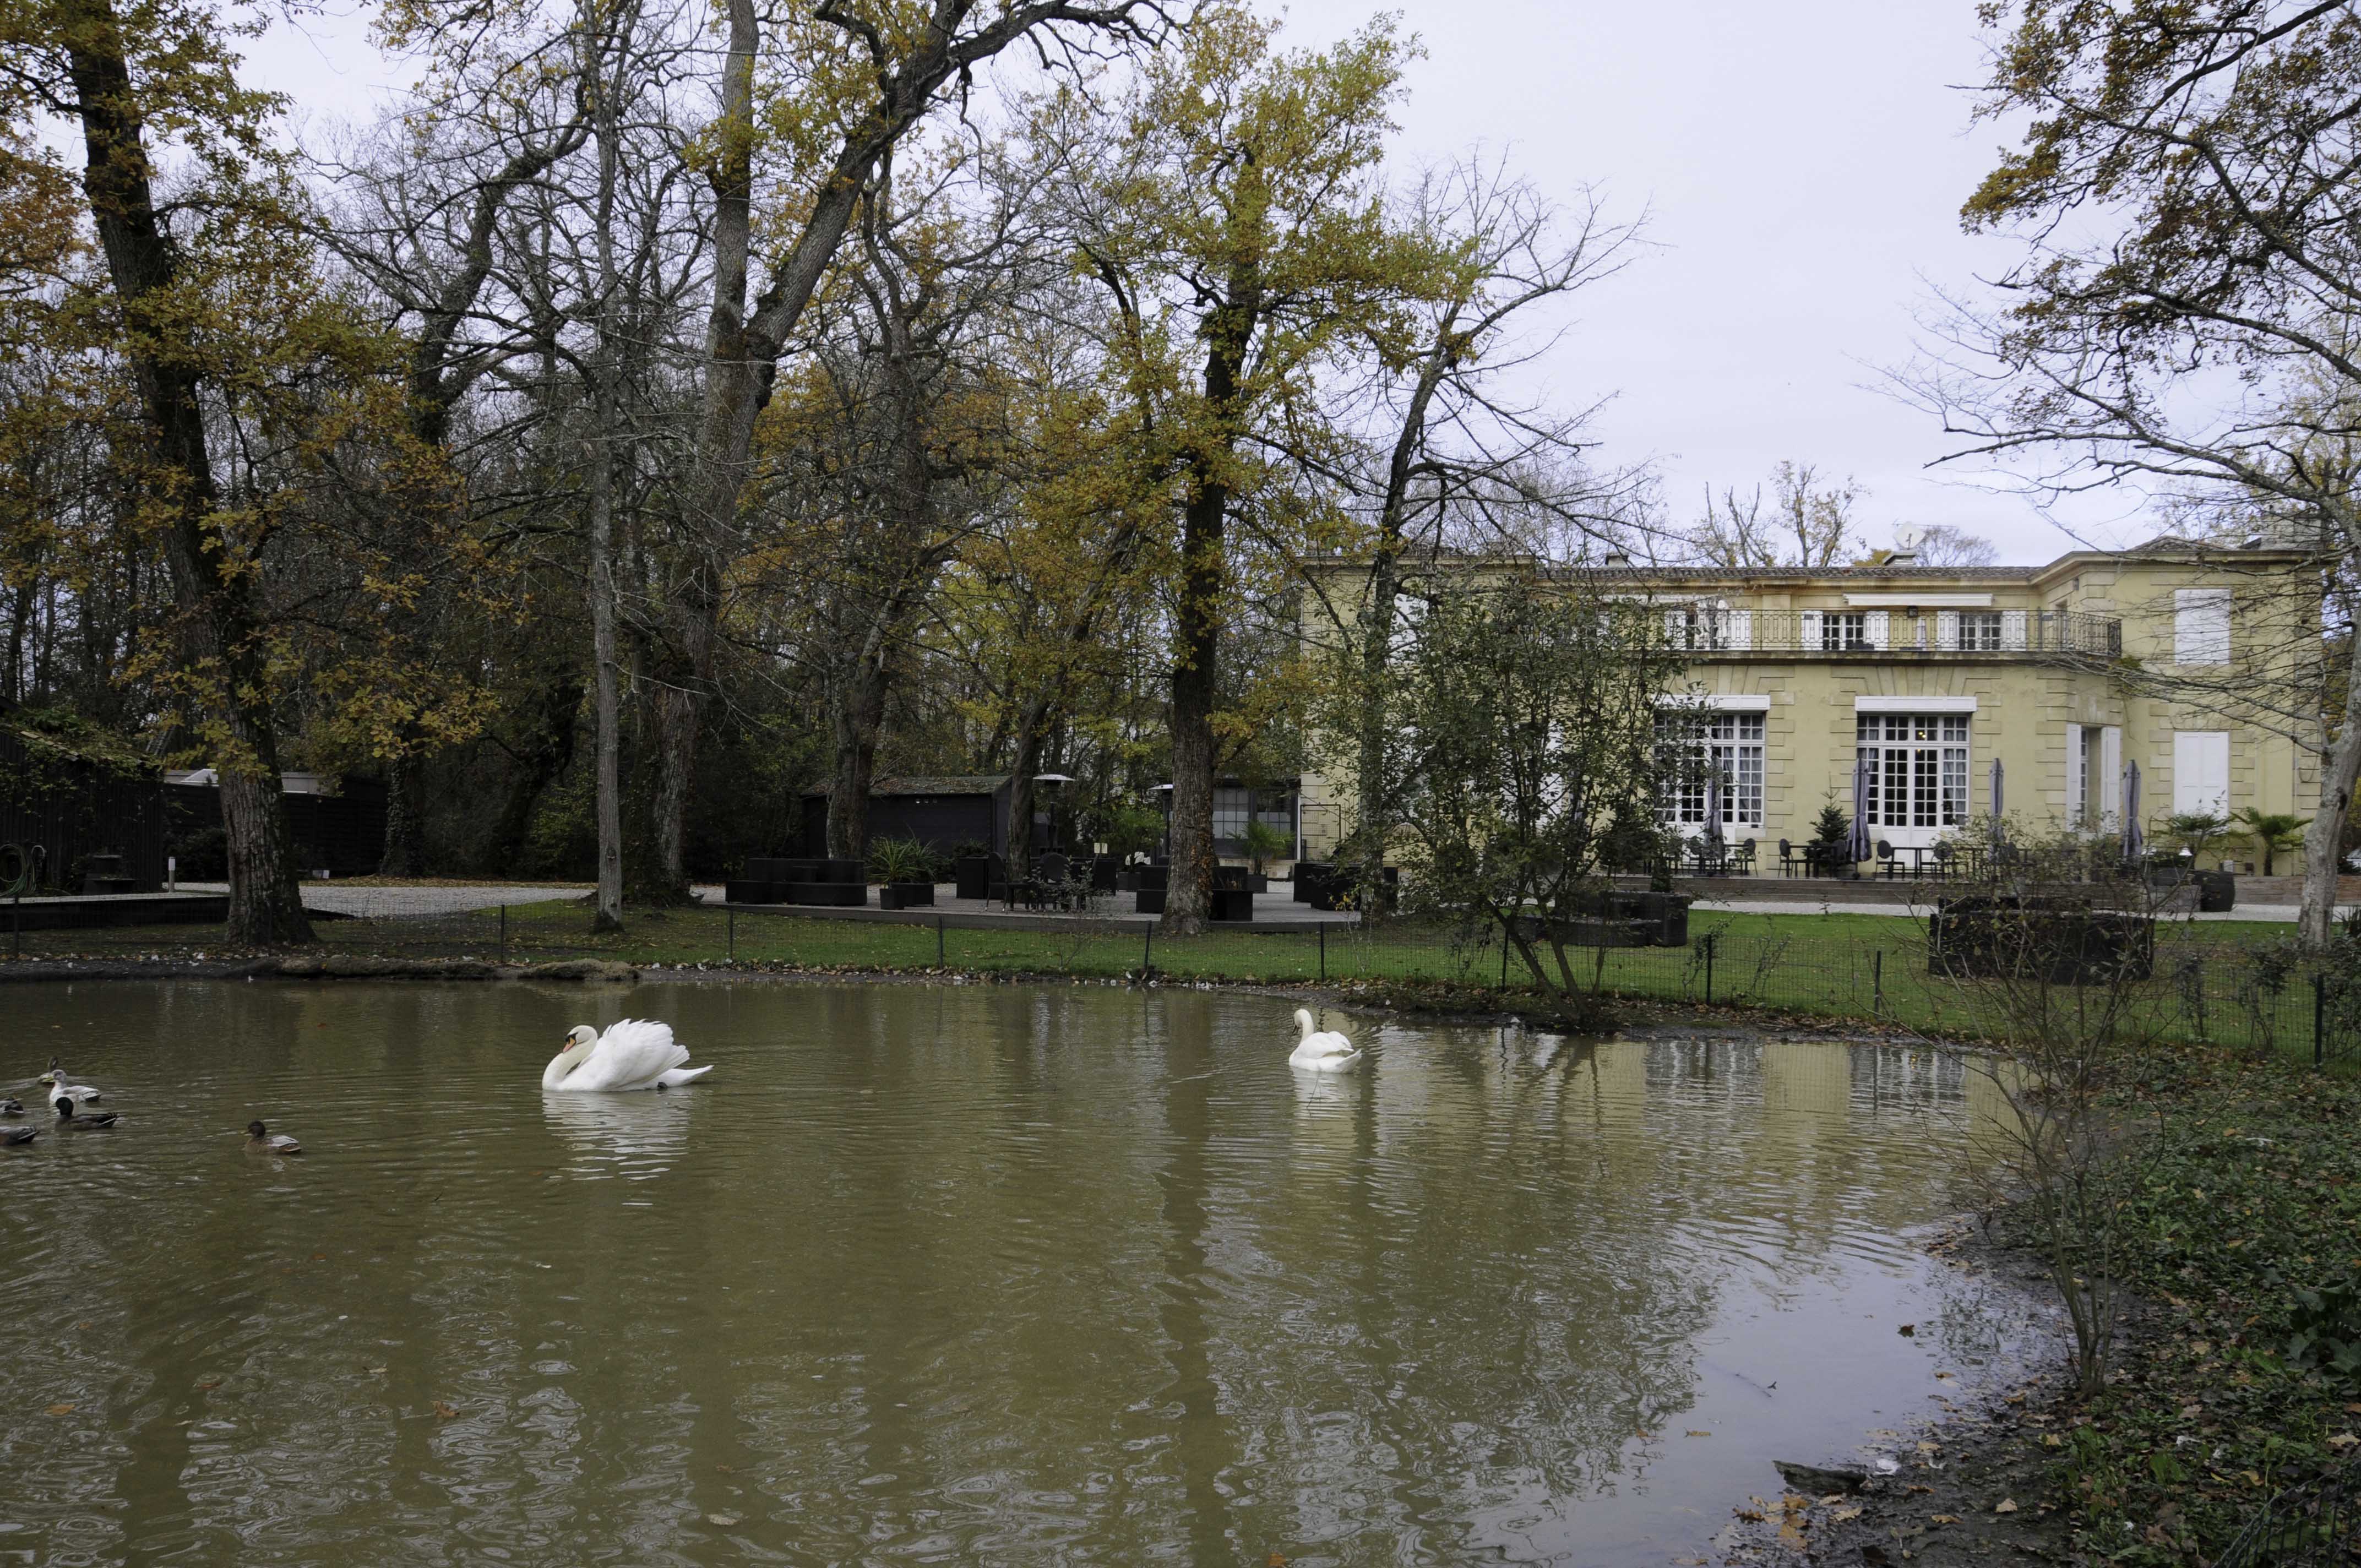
<point>72,808</point>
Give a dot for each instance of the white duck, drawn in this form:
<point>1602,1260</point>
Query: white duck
<point>56,1080</point>
<point>638,1053</point>
<point>1322,1051</point>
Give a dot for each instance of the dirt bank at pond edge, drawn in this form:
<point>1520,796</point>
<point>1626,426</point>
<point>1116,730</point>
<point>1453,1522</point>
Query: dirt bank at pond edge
<point>1967,1485</point>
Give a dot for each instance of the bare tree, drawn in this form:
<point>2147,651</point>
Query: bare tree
<point>1458,444</point>
<point>1805,523</point>
<point>2186,315</point>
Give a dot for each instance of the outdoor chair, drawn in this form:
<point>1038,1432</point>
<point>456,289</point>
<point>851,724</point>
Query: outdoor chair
<point>1744,863</point>
<point>1944,855</point>
<point>1788,862</point>
<point>1885,860</point>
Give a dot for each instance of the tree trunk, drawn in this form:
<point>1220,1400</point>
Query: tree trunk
<point>858,717</point>
<point>2323,841</point>
<point>607,702</point>
<point>405,816</point>
<point>214,600</point>
<point>1032,731</point>
<point>1373,811</point>
<point>1197,623</point>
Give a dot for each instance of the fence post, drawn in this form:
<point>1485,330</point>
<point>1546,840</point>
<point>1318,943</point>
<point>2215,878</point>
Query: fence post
<point>1877,984</point>
<point>938,943</point>
<point>1504,956</point>
<point>2319,1018</point>
<point>17,922</point>
<point>1147,952</point>
<point>1710,943</point>
<point>504,933</point>
<point>731,911</point>
<point>1324,952</point>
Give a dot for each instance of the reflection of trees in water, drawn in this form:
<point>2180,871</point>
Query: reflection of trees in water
<point>1010,1268</point>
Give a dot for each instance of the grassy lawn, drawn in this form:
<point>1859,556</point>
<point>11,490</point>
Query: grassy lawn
<point>1837,966</point>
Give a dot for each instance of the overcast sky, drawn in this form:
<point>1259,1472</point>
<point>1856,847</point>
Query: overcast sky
<point>1802,168</point>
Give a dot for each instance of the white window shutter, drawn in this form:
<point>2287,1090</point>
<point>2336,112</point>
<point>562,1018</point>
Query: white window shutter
<point>1807,629</point>
<point>2076,805</point>
<point>1947,629</point>
<point>2011,629</point>
<point>1878,624</point>
<point>1742,629</point>
<point>2200,626</point>
<point>1677,628</point>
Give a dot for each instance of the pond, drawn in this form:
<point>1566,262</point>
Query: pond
<point>948,1273</point>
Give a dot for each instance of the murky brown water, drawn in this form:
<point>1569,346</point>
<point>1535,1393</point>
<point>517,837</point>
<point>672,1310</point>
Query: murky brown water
<point>958,1274</point>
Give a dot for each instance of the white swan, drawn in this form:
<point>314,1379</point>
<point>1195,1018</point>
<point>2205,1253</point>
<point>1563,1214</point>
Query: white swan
<point>1322,1051</point>
<point>638,1053</point>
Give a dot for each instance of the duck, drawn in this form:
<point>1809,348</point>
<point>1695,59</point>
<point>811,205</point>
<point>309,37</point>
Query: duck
<point>68,1117</point>
<point>638,1053</point>
<point>261,1137</point>
<point>1322,1050</point>
<point>12,1106</point>
<point>56,1078</point>
<point>16,1137</point>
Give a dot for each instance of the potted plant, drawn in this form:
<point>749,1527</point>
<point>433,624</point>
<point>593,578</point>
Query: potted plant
<point>972,870</point>
<point>1832,840</point>
<point>1263,842</point>
<point>2271,832</point>
<point>905,872</point>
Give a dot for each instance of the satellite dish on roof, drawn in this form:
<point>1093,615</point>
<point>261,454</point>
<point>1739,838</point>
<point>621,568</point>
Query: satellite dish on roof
<point>1906,538</point>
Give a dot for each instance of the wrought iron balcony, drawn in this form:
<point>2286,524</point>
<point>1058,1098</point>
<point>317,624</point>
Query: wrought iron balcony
<point>1713,632</point>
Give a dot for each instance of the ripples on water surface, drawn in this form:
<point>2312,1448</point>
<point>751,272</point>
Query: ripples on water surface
<point>994,1274</point>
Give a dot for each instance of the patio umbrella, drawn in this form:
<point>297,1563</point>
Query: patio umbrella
<point>2134,839</point>
<point>1713,810</point>
<point>1996,834</point>
<point>1864,775</point>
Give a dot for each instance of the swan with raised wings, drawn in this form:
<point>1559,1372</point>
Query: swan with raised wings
<point>1322,1050</point>
<point>638,1053</point>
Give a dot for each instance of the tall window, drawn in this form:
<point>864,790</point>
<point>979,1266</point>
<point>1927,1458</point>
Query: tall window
<point>1728,743</point>
<point>1844,631</point>
<point>1919,764</point>
<point>1980,632</point>
<point>1230,812</point>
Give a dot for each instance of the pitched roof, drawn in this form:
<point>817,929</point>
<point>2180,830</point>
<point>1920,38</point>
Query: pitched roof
<point>930,783</point>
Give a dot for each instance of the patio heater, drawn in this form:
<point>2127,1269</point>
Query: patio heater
<point>1163,794</point>
<point>1051,786</point>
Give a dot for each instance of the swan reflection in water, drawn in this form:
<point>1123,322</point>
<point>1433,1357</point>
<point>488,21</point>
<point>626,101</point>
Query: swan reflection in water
<point>639,1135</point>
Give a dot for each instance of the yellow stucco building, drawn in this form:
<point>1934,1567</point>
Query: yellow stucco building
<point>2194,662</point>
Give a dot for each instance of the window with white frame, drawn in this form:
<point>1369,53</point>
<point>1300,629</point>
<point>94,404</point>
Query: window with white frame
<point>2200,626</point>
<point>1844,631</point>
<point>1919,768</point>
<point>1980,632</point>
<point>1729,744</point>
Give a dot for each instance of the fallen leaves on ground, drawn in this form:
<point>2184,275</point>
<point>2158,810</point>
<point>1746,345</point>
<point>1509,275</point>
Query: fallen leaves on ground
<point>446,1411</point>
<point>2005,1506</point>
<point>62,1410</point>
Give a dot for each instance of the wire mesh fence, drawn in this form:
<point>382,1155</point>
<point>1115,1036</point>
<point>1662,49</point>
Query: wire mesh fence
<point>2236,986</point>
<point>2310,1526</point>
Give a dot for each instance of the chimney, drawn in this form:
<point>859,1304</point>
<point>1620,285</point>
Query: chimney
<point>1616,558</point>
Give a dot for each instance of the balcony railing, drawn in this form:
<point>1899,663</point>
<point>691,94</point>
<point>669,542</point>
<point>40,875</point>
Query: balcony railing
<point>1891,633</point>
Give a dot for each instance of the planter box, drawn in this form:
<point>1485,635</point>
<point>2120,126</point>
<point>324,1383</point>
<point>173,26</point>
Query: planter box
<point>1233,904</point>
<point>1308,875</point>
<point>1126,882</point>
<point>743,892</point>
<point>1155,879</point>
<point>1257,883</point>
<point>972,875</point>
<point>2217,892</point>
<point>1330,888</point>
<point>1106,869</point>
<point>906,895</point>
<point>828,895</point>
<point>1233,878</point>
<point>1151,901</point>
<point>2062,941</point>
